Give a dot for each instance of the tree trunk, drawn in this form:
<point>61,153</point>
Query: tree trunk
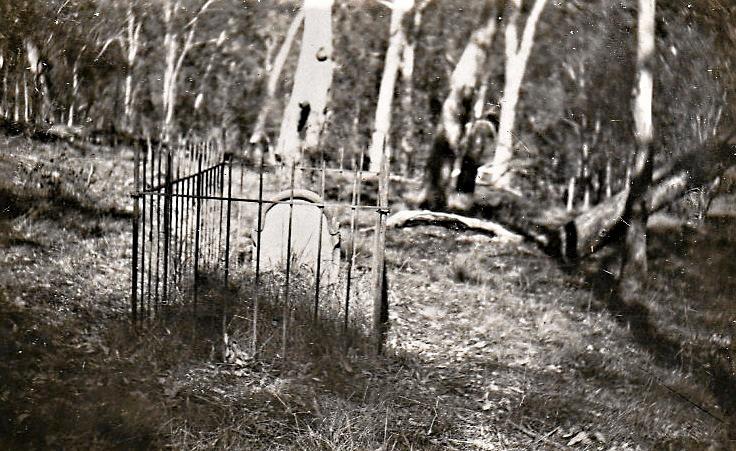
<point>407,91</point>
<point>517,55</point>
<point>607,177</point>
<point>571,194</point>
<point>16,104</point>
<point>175,53</point>
<point>26,108</point>
<point>407,218</point>
<point>133,32</point>
<point>304,116</point>
<point>634,257</point>
<point>168,94</point>
<point>585,175</point>
<point>4,98</point>
<point>456,111</point>
<point>75,89</point>
<point>382,125</point>
<point>258,137</point>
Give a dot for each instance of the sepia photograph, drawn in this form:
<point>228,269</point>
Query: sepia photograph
<point>368,225</point>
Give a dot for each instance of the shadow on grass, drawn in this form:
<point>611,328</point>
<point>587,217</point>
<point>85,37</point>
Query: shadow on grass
<point>712,365</point>
<point>51,203</point>
<point>163,383</point>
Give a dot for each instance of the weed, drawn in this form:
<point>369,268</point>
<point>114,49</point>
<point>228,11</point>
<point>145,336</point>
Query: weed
<point>464,269</point>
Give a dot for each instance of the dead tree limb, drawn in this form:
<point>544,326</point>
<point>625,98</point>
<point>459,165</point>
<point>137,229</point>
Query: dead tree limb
<point>414,217</point>
<point>572,238</point>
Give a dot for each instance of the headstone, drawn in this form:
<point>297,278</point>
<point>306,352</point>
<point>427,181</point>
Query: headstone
<point>305,236</point>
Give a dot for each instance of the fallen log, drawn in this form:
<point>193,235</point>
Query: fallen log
<point>592,229</point>
<point>414,217</point>
<point>576,237</point>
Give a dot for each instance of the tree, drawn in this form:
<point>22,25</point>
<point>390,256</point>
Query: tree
<point>406,69</point>
<point>634,258</point>
<point>396,42</point>
<point>304,116</point>
<point>129,39</point>
<point>176,49</point>
<point>517,55</point>
<point>274,69</point>
<point>456,110</point>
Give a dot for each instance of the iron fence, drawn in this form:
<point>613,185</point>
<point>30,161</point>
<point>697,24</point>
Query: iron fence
<point>203,216</point>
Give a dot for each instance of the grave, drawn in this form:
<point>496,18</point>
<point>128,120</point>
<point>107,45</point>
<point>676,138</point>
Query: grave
<point>306,217</point>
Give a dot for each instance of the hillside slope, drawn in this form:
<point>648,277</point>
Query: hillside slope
<point>492,346</point>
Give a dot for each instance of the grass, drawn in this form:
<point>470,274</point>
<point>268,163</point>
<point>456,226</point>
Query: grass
<point>491,345</point>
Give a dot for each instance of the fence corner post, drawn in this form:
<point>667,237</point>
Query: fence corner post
<point>380,277</point>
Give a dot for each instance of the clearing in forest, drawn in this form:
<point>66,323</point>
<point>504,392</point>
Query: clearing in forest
<point>492,345</point>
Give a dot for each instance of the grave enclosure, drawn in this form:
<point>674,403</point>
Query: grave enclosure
<point>206,218</point>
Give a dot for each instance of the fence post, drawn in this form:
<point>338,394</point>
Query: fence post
<point>380,279</point>
<point>168,197</point>
<point>287,310</point>
<point>141,190</point>
<point>136,213</point>
<point>319,242</point>
<point>197,229</point>
<point>158,232</point>
<point>351,258</point>
<point>229,160</point>
<point>259,243</point>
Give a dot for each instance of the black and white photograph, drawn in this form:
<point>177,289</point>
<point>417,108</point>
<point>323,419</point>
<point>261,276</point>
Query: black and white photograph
<point>368,225</point>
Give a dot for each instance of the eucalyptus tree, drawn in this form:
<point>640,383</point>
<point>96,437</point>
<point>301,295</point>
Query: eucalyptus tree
<point>517,55</point>
<point>396,43</point>
<point>456,111</point>
<point>304,116</point>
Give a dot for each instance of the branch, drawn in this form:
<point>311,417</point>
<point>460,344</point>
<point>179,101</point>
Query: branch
<point>188,45</point>
<point>202,9</point>
<point>527,37</point>
<point>413,217</point>
<point>107,44</point>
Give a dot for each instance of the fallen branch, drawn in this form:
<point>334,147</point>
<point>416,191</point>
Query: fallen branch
<point>578,237</point>
<point>592,229</point>
<point>413,217</point>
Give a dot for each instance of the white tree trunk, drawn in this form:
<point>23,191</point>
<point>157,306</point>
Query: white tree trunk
<point>304,116</point>
<point>517,55</point>
<point>171,47</point>
<point>174,58</point>
<point>571,194</point>
<point>382,125</point>
<point>4,98</point>
<point>133,32</point>
<point>274,75</point>
<point>75,89</point>
<point>26,109</point>
<point>406,70</point>
<point>407,100</point>
<point>171,44</point>
<point>16,103</point>
<point>465,78</point>
<point>634,258</point>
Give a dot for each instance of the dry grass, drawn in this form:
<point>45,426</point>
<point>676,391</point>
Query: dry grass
<point>462,271</point>
<point>491,347</point>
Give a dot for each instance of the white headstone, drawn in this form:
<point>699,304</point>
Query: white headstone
<point>305,237</point>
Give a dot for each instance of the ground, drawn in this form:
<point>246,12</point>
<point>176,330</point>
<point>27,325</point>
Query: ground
<point>492,345</point>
